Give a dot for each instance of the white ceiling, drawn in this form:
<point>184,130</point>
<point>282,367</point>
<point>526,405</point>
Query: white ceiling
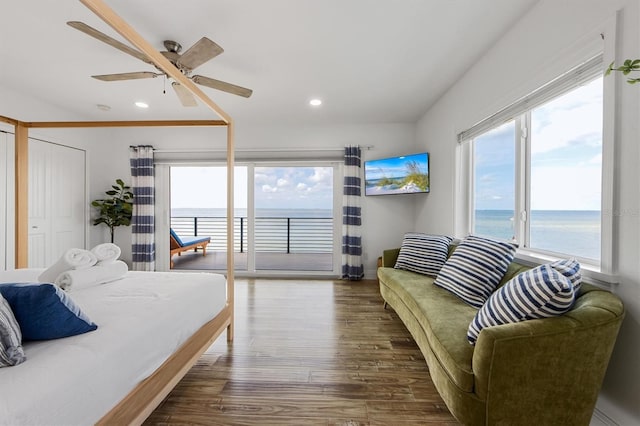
<point>368,60</point>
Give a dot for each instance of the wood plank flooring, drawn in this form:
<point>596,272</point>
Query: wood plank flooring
<point>308,352</point>
<point>264,261</point>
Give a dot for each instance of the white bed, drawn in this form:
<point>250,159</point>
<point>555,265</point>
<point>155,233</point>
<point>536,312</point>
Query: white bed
<point>143,319</point>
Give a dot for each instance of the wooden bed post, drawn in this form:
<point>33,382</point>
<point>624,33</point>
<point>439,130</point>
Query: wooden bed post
<point>230,227</point>
<point>22,195</point>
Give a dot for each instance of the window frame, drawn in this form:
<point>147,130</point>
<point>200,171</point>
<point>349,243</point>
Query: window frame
<point>520,111</point>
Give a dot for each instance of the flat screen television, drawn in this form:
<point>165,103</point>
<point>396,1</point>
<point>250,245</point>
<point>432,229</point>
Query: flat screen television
<point>407,174</point>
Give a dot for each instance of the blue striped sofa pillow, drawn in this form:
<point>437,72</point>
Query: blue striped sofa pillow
<point>422,253</point>
<point>540,292</point>
<point>570,268</point>
<point>475,269</point>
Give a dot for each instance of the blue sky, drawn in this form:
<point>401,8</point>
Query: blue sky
<point>275,187</point>
<point>566,156</point>
<point>392,167</point>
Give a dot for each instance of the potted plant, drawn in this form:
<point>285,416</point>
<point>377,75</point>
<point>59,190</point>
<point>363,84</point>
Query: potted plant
<point>117,209</point>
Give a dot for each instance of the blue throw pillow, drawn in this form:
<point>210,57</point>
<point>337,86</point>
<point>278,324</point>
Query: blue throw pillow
<point>475,269</point>
<point>423,253</point>
<point>541,292</point>
<point>44,311</point>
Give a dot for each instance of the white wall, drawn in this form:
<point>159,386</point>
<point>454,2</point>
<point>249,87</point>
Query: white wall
<point>382,227</point>
<point>550,39</point>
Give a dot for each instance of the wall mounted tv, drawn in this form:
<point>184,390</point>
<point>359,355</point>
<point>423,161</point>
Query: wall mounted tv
<point>407,174</point>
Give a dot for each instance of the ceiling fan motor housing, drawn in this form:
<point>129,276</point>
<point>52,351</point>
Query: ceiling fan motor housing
<point>172,46</point>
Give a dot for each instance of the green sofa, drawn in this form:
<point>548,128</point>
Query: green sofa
<point>537,372</point>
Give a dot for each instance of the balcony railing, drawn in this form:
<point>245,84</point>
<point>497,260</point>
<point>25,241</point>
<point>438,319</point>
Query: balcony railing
<point>272,234</point>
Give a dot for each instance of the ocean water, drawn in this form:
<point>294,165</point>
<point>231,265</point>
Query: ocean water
<point>575,232</point>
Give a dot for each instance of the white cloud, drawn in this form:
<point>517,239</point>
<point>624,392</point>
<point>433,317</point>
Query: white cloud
<point>576,116</point>
<point>282,183</point>
<point>322,175</point>
<point>262,178</point>
<point>269,188</point>
<point>566,188</point>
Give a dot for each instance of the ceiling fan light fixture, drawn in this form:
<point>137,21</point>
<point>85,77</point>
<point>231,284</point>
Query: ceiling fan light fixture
<point>141,104</point>
<point>315,102</point>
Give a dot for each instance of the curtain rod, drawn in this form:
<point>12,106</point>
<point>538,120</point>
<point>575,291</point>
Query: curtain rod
<point>250,150</point>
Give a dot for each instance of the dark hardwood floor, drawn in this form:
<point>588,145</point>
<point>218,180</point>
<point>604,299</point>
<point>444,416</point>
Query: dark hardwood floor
<point>308,352</point>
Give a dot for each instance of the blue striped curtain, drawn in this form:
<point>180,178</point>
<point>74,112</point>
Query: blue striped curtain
<point>143,246</point>
<point>352,268</point>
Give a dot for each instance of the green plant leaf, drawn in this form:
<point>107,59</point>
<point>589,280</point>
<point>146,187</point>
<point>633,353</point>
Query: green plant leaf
<point>116,210</point>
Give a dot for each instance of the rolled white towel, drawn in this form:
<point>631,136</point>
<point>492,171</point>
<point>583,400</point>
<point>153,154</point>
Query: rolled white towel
<point>106,253</point>
<point>77,279</point>
<point>74,258</point>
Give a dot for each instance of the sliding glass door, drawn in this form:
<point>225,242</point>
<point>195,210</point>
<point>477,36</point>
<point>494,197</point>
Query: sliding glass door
<point>294,228</point>
<point>283,217</point>
<point>199,210</point>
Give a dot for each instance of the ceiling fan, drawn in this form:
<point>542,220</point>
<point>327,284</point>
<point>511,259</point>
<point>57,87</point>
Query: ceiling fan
<point>202,51</point>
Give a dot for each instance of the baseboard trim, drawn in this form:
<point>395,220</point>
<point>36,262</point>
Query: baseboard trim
<point>599,418</point>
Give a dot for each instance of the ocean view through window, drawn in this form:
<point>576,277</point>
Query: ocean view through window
<point>545,193</point>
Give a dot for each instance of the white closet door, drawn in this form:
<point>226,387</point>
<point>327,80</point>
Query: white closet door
<point>39,200</point>
<point>56,201</point>
<point>68,201</point>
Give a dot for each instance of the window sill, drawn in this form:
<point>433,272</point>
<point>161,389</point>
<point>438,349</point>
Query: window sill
<point>591,273</point>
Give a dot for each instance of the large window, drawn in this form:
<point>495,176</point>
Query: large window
<point>537,178</point>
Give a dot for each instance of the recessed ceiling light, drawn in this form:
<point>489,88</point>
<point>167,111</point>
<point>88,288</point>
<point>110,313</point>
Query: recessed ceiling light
<point>140,104</point>
<point>315,102</point>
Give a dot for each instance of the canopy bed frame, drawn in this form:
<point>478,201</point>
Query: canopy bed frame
<point>135,407</point>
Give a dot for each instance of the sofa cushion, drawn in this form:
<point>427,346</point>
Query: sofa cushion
<point>541,292</point>
<point>443,318</point>
<point>423,253</point>
<point>475,269</point>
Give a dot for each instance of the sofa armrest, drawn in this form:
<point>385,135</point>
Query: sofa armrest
<point>557,363</point>
<point>389,257</point>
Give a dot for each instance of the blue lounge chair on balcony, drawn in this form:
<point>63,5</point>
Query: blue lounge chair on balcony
<point>178,245</point>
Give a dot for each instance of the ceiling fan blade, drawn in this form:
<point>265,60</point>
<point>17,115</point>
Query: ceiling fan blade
<point>126,76</point>
<point>186,97</point>
<point>221,85</point>
<point>81,26</point>
<point>201,52</point>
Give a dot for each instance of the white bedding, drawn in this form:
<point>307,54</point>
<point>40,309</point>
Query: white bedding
<point>142,319</point>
